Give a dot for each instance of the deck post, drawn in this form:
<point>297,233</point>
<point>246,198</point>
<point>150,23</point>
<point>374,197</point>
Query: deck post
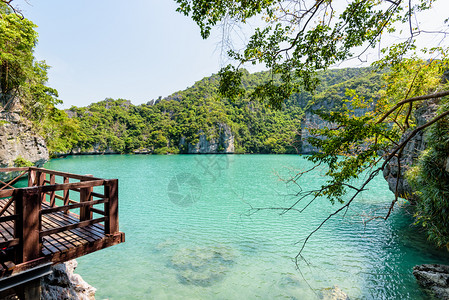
<point>86,195</point>
<point>30,291</point>
<point>111,207</point>
<point>53,193</point>
<point>27,227</point>
<point>66,193</point>
<point>37,179</point>
<point>31,177</point>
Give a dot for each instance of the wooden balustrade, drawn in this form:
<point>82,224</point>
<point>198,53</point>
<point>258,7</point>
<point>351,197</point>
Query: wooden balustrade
<point>36,213</point>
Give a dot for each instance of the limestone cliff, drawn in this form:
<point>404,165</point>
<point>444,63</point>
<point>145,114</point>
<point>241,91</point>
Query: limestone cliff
<point>310,121</point>
<point>96,149</point>
<point>18,139</point>
<point>313,121</point>
<point>223,143</point>
<point>423,114</point>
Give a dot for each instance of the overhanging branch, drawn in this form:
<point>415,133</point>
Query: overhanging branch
<point>413,99</point>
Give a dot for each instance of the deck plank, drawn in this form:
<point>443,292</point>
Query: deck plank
<point>58,242</point>
<point>6,228</point>
<point>65,245</point>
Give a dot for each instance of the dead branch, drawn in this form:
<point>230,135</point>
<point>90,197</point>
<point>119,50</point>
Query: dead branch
<point>13,8</point>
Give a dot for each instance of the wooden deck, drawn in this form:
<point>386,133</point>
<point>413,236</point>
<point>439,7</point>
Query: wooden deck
<point>56,242</point>
<point>51,221</point>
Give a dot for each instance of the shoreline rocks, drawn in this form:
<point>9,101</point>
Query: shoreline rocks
<point>434,279</point>
<point>63,283</point>
<point>334,293</point>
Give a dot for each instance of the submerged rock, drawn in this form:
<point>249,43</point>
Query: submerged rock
<point>334,293</point>
<point>289,280</point>
<point>202,266</point>
<point>434,279</point>
<point>64,284</point>
<point>167,244</point>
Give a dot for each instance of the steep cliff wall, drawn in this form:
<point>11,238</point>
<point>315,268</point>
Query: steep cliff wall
<point>425,112</point>
<point>313,121</point>
<point>223,143</point>
<point>310,121</point>
<point>18,139</point>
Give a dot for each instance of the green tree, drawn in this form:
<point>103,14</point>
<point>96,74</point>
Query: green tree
<point>17,41</point>
<point>23,80</point>
<point>299,38</point>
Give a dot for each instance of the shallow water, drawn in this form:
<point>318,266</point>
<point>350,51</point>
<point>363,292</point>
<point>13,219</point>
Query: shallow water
<point>190,233</point>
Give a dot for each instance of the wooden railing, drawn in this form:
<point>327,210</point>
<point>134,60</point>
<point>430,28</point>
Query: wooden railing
<point>49,192</point>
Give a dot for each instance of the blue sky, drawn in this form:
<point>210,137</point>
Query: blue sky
<point>136,50</point>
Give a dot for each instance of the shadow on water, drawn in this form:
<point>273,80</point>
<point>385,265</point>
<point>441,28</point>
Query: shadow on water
<point>402,246</point>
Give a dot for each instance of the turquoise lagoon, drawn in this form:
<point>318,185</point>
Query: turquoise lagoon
<point>191,233</point>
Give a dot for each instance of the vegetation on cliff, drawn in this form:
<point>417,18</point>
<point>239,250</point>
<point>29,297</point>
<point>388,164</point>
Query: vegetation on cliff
<point>23,82</point>
<point>169,125</point>
<point>430,177</point>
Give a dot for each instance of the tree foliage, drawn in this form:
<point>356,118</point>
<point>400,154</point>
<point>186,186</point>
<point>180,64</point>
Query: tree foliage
<point>298,38</point>
<point>17,41</point>
<point>23,81</point>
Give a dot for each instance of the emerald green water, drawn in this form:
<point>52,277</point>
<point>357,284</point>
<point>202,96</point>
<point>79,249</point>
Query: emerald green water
<point>189,234</point>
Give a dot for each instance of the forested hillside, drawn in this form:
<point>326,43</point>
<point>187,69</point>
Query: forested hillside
<point>174,124</point>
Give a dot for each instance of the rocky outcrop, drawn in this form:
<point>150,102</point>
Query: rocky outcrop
<point>410,154</point>
<point>95,150</point>
<point>19,140</point>
<point>434,279</point>
<point>224,143</point>
<point>143,151</point>
<point>313,121</point>
<point>310,121</point>
<point>63,283</point>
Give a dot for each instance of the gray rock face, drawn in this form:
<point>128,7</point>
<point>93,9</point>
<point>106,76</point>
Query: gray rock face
<point>412,150</point>
<point>310,121</point>
<point>18,139</point>
<point>313,121</point>
<point>64,284</point>
<point>96,150</point>
<point>224,143</point>
<point>434,279</point>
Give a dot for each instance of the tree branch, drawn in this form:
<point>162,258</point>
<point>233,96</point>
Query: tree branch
<point>413,99</point>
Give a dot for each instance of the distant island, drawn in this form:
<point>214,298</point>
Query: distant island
<point>199,120</point>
